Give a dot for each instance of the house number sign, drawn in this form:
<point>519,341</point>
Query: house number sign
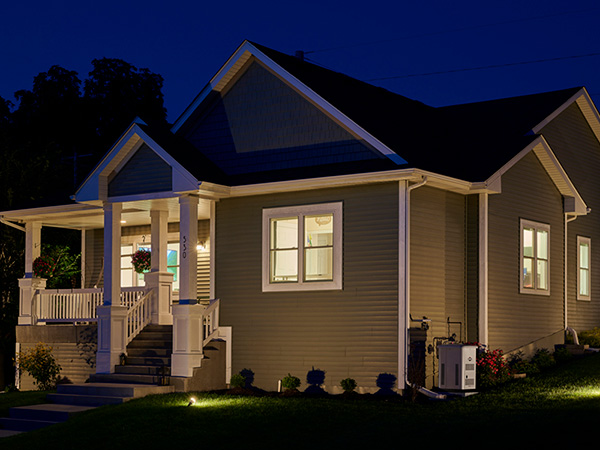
<point>183,246</point>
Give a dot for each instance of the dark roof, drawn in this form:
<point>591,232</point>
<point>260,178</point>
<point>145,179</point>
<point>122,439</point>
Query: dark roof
<point>469,141</point>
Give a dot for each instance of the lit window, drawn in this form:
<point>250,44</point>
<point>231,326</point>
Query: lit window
<point>584,248</point>
<point>535,258</point>
<point>302,247</point>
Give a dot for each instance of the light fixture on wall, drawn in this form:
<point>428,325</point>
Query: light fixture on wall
<point>322,220</point>
<point>201,246</point>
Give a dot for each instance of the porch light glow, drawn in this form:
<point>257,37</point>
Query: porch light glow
<point>192,401</point>
<point>123,221</point>
<point>201,247</point>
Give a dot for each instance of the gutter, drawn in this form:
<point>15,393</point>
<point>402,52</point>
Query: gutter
<point>409,189</point>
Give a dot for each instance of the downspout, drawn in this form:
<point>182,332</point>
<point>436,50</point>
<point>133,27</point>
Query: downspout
<point>409,189</point>
<point>567,220</point>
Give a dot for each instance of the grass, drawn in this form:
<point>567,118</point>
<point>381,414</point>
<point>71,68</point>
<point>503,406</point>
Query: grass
<point>561,403</point>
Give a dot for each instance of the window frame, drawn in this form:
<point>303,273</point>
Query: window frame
<point>268,214</point>
<point>536,226</point>
<point>588,241</point>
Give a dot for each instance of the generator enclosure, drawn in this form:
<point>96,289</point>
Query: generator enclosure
<point>457,366</point>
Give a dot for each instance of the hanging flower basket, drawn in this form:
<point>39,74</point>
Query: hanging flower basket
<point>141,261</point>
<point>43,266</point>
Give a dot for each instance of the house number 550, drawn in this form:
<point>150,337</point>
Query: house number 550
<point>184,247</point>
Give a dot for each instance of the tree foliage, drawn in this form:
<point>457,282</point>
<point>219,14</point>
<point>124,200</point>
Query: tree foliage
<point>50,138</point>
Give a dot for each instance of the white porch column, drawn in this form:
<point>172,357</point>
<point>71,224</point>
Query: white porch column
<point>187,315</point>
<point>159,279</point>
<point>29,284</point>
<point>112,317</point>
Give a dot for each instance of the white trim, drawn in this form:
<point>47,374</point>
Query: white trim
<point>300,211</point>
<point>524,223</point>
<point>588,241</point>
<point>403,280</point>
<point>242,53</point>
<point>587,107</point>
<point>483,268</point>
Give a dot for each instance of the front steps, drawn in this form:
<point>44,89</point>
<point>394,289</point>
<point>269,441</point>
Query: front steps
<point>148,358</point>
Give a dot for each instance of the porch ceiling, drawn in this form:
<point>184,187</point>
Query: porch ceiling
<point>85,217</point>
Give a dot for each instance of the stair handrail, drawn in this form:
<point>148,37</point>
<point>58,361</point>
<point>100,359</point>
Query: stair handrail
<point>138,315</point>
<point>210,321</point>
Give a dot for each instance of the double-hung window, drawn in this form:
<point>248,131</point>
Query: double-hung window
<point>584,248</point>
<point>302,247</point>
<point>535,258</point>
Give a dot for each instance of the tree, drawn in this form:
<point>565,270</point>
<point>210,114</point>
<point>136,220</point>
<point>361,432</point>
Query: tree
<point>116,93</point>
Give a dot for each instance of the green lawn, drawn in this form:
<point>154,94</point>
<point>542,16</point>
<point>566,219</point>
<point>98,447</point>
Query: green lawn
<point>561,404</point>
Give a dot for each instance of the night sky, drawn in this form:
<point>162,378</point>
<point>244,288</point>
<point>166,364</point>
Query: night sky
<point>424,50</point>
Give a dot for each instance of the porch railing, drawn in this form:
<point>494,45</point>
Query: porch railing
<point>138,315</point>
<point>210,321</point>
<point>76,305</point>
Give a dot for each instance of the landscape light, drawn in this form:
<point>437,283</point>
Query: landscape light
<point>192,401</point>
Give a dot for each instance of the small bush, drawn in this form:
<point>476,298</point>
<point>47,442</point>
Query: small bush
<point>543,359</point>
<point>290,382</point>
<point>590,337</point>
<point>248,377</point>
<point>348,384</point>
<point>492,368</point>
<point>41,365</point>
<point>237,381</point>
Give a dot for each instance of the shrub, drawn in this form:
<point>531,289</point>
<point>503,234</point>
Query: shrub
<point>41,365</point>
<point>290,382</point>
<point>562,355</point>
<point>348,384</point>
<point>59,266</point>
<point>237,381</point>
<point>590,337</point>
<point>492,368</point>
<point>248,377</point>
<point>543,359</point>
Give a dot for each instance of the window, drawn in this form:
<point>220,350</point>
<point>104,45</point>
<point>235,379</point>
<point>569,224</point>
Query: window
<point>302,247</point>
<point>535,258</point>
<point>584,248</point>
<point>131,278</point>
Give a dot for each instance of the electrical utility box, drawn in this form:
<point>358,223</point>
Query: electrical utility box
<point>457,366</point>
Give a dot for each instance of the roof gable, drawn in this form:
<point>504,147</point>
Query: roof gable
<point>135,166</point>
<point>238,62</point>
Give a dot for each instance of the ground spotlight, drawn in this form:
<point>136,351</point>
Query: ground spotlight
<point>192,401</point>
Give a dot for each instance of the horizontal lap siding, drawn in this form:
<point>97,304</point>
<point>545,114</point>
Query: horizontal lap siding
<point>517,319</point>
<point>437,261</point>
<point>347,333</point>
<point>578,150</point>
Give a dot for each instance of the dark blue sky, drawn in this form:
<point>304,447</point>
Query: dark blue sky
<point>187,42</point>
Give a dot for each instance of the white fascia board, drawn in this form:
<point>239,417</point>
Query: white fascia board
<point>585,103</point>
<point>131,141</point>
<point>553,168</point>
<point>411,175</point>
<point>212,84</point>
<point>298,86</point>
<point>328,107</point>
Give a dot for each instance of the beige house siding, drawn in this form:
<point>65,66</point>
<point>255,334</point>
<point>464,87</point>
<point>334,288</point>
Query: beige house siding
<point>351,332</point>
<point>437,261</point>
<point>578,150</point>
<point>516,319</point>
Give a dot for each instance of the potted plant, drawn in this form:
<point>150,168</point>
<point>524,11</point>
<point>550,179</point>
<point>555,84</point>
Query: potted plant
<point>141,261</point>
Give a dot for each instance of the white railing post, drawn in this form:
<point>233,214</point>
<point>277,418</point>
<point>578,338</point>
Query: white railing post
<point>27,291</point>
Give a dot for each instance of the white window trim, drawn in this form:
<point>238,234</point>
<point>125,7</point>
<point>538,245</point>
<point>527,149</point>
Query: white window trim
<point>537,226</point>
<point>588,241</point>
<point>301,211</point>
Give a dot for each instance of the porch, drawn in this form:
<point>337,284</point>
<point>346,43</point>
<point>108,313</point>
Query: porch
<point>176,294</point>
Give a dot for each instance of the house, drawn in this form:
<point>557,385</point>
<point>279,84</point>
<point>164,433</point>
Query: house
<point>339,225</point>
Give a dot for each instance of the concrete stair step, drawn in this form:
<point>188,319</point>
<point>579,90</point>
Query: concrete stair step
<point>142,369</point>
<point>113,389</point>
<point>47,412</point>
<point>124,378</point>
<point>155,335</point>
<point>86,400</point>
<point>149,361</point>
<point>149,352</point>
<point>11,424</point>
<point>150,344</point>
